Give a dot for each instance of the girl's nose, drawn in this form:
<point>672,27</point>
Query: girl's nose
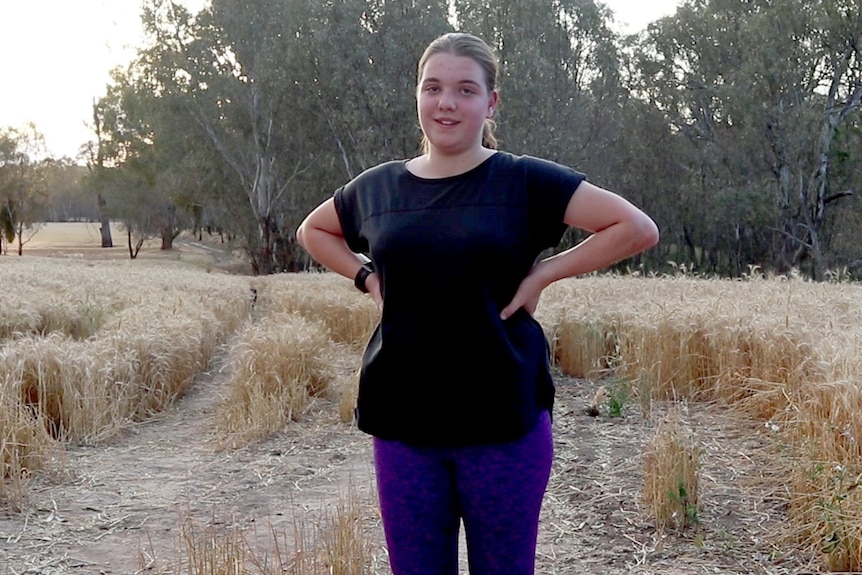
<point>446,101</point>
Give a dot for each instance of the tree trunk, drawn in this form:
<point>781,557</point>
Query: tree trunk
<point>105,228</point>
<point>264,262</point>
<point>170,229</point>
<point>133,250</point>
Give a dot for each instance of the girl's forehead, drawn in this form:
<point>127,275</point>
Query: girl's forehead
<point>448,66</point>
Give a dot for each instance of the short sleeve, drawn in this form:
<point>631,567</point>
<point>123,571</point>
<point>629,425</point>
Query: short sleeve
<point>347,208</point>
<point>550,187</point>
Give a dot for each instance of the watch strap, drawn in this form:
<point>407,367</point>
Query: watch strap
<point>362,275</point>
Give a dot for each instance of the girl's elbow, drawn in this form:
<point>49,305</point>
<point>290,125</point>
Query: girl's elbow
<point>300,236</point>
<point>647,234</point>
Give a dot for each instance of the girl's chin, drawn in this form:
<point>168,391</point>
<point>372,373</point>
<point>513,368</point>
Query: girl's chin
<point>450,146</point>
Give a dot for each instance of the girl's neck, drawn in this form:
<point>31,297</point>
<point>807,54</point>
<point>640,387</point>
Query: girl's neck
<point>433,165</point>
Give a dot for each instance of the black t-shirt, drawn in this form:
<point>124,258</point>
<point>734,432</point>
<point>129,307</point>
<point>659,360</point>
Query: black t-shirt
<point>442,368</point>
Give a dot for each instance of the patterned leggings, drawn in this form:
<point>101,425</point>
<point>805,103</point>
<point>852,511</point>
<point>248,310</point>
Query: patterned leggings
<point>496,489</point>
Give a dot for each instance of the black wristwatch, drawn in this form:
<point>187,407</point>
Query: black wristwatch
<point>362,275</point>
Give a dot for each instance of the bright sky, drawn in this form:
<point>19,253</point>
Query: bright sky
<point>58,54</point>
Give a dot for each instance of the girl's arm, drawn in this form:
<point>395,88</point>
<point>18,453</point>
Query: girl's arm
<point>321,235</point>
<point>618,230</point>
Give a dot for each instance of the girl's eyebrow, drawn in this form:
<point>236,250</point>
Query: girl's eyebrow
<point>466,81</point>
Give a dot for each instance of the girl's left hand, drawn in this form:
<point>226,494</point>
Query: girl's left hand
<point>526,297</point>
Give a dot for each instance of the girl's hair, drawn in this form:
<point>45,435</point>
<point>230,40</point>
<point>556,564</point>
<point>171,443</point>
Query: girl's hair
<point>469,46</point>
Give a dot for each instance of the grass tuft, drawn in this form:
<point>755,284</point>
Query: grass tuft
<point>334,545</point>
<point>671,479</point>
<point>277,366</point>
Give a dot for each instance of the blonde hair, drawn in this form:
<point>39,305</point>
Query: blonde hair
<point>473,47</point>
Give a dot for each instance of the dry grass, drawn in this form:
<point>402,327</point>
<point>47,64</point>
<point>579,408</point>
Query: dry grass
<point>25,448</point>
<point>88,349</point>
<point>303,346</point>
<point>780,350</point>
<point>333,545</point>
<point>827,511</point>
<point>159,331</point>
<point>337,546</point>
<point>348,317</point>
<point>122,341</point>
<point>349,396</point>
<point>671,480</point>
<point>277,366</point>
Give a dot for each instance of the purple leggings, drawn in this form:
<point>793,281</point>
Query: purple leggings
<point>497,490</point>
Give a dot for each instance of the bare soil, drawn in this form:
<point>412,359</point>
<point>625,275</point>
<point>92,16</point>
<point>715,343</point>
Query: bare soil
<point>119,508</point>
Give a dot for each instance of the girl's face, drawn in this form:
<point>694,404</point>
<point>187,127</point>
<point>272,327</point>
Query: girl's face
<point>453,103</point>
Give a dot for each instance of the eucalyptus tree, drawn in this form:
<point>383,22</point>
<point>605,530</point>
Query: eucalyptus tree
<point>23,157</point>
<point>645,164</point>
<point>845,226</point>
<point>10,157</point>
<point>66,197</point>
<point>294,96</point>
<point>139,161</point>
<point>559,74</point>
<point>93,154</point>
<point>760,90</point>
<point>363,69</point>
<point>561,84</point>
<point>235,69</point>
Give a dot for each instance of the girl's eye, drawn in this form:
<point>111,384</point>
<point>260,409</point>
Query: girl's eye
<point>432,89</point>
<point>467,91</point>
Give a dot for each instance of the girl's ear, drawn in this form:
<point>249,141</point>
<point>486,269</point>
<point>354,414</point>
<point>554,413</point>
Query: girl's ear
<point>492,103</point>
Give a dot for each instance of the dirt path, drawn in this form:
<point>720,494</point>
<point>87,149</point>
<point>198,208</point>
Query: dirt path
<point>119,508</point>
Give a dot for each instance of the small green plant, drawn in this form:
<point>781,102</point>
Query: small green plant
<point>839,537</point>
<point>686,512</point>
<point>619,395</point>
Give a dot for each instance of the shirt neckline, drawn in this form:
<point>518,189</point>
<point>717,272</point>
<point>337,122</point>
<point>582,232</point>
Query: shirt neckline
<point>472,170</point>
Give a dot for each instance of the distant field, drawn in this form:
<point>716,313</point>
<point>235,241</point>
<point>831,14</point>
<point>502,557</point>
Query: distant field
<point>84,240</point>
<point>74,235</point>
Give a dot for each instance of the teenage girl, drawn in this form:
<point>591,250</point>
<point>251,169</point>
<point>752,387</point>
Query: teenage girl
<point>455,386</point>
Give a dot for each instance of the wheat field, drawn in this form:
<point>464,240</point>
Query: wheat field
<point>89,348</point>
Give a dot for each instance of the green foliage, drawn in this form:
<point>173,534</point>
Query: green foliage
<point>687,515</point>
<point>736,125</point>
<point>758,91</point>
<point>619,395</point>
<point>836,530</point>
<point>7,221</point>
<point>559,75</point>
<point>22,182</point>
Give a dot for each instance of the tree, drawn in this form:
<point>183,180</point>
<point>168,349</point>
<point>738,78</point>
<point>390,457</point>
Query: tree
<point>561,84</point>
<point>153,154</point>
<point>760,90</point>
<point>67,199</point>
<point>232,69</point>
<point>363,57</point>
<point>559,74</point>
<point>288,94</point>
<point>844,227</point>
<point>97,173</point>
<point>22,182</point>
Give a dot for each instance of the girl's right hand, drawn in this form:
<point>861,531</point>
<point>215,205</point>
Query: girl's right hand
<point>372,282</point>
